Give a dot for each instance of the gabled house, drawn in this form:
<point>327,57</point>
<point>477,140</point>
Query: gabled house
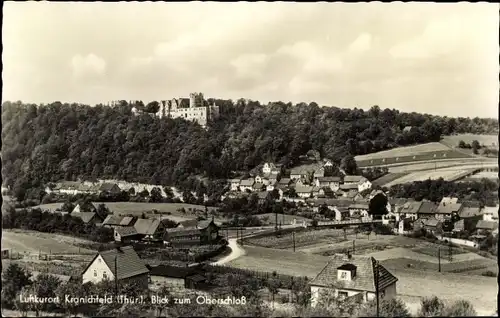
<point>486,227</point>
<point>490,213</point>
<point>84,206</point>
<point>234,184</point>
<point>361,182</point>
<point>122,264</point>
<point>446,210</point>
<point>304,191</point>
<point>409,210</point>
<point>150,228</point>
<point>205,232</point>
<point>428,210</point>
<point>188,224</point>
<point>358,210</point>
<point>128,221</point>
<point>88,217</point>
<point>261,180</point>
<point>112,221</point>
<point>270,168</point>
<point>109,188</point>
<point>319,173</point>
<point>247,184</point>
<point>353,275</point>
<point>126,234</point>
<point>284,182</point>
<point>331,182</point>
<point>433,226</point>
<point>346,187</point>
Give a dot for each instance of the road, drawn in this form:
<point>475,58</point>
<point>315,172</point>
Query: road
<point>236,251</point>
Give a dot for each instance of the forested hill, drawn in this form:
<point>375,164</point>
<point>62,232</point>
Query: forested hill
<point>62,141</point>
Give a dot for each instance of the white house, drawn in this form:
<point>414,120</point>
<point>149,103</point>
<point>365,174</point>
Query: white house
<point>121,263</point>
<point>358,210</point>
<point>234,184</point>
<point>331,182</point>
<point>362,183</point>
<point>304,191</point>
<point>490,213</point>
<point>269,168</point>
<point>347,276</point>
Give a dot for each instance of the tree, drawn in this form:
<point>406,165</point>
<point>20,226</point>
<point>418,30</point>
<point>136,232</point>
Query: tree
<point>394,307</point>
<point>348,164</point>
<point>45,286</point>
<point>103,210</point>
<point>156,195</point>
<point>169,192</point>
<point>475,146</point>
<point>431,307</point>
<point>378,206</point>
<point>461,144</point>
<point>13,280</point>
<point>460,308</point>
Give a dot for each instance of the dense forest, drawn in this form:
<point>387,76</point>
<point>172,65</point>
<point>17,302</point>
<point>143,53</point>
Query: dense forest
<point>69,141</point>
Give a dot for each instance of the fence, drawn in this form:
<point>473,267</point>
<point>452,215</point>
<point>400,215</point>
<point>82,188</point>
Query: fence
<point>39,256</point>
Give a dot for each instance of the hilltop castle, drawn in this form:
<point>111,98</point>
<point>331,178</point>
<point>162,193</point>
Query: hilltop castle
<point>194,108</point>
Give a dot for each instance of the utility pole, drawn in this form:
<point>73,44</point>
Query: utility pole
<point>116,279</point>
<point>439,259</point>
<point>376,287</point>
<point>241,235</point>
<point>353,247</point>
<point>293,235</point>
<point>450,251</point>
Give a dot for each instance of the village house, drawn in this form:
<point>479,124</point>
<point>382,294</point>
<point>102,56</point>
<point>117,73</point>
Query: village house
<point>234,184</point>
<point>326,192</point>
<point>409,210</point>
<point>271,186</point>
<point>284,182</point>
<point>114,221</point>
<point>121,264</point>
<point>84,206</point>
<point>361,182</point>
<point>490,213</point>
<point>126,234</point>
<point>330,203</point>
<point>433,226</point>
<point>447,208</point>
<point>344,188</point>
<point>88,217</point>
<point>247,185</point>
<point>258,187</point>
<point>188,224</point>
<point>348,275</point>
<point>358,210</point>
<point>429,210</point>
<point>319,173</point>
<point>71,188</point>
<point>110,189</point>
<point>396,205</point>
<point>206,232</point>
<point>303,191</point>
<point>179,278</point>
<point>271,168</point>
<point>149,228</point>
<point>486,227</point>
<point>331,182</point>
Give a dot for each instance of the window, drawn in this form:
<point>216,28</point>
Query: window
<point>104,275</point>
<point>95,273</point>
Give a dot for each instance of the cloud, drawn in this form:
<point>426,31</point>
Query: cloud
<point>89,66</point>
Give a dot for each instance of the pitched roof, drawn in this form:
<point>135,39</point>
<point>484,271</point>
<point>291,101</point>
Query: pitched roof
<point>189,223</point>
<point>172,271</point>
<point>234,180</point>
<point>247,182</point>
<point>427,208</point>
<point>258,186</point>
<point>147,226</point>
<point>432,222</point>
<point>86,206</point>
<point>181,232</point>
<point>112,219</point>
<point>348,186</point>
<point>329,179</point>
<point>397,201</point>
<point>365,274</point>
<point>107,186</point>
<point>128,263</point>
<point>486,225</point>
<point>359,206</point>
<point>126,220</point>
<point>126,231</point>
<point>86,217</point>
<point>351,193</point>
<point>411,207</point>
<point>353,178</point>
<point>448,200</point>
<point>303,189</point>
<point>204,224</point>
<point>448,208</point>
<point>468,212</point>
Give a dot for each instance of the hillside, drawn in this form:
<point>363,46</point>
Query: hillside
<point>60,141</point>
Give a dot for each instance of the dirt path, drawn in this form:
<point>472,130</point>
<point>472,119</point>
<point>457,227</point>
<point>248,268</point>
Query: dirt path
<point>236,251</point>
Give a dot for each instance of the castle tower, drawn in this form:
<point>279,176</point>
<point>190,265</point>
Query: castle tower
<point>192,100</point>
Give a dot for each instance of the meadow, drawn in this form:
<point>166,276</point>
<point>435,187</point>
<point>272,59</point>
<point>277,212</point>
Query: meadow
<point>404,151</point>
<point>303,238</point>
<point>487,140</point>
<point>446,174</point>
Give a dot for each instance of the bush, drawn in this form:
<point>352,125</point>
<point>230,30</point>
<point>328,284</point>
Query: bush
<point>489,274</point>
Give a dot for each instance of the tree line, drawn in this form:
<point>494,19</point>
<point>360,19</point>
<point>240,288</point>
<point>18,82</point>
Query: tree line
<point>485,191</point>
<point>58,141</point>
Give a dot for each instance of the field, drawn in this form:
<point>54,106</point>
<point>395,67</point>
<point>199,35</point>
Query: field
<point>304,238</point>
<point>447,174</point>
<point>487,140</point>
<point>450,164</point>
<point>481,175</point>
<point>35,242</point>
<point>285,219</point>
<point>404,151</point>
<point>137,208</point>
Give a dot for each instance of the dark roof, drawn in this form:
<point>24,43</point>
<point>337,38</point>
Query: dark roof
<point>189,223</point>
<point>329,179</point>
<point>258,186</point>
<point>172,271</point>
<point>349,186</point>
<point>107,186</point>
<point>125,231</point>
<point>427,207</point>
<point>86,217</point>
<point>197,278</point>
<point>147,226</point>
<point>411,207</point>
<point>204,224</point>
<point>364,279</point>
<point>112,219</point>
<point>128,263</point>
<point>181,232</point>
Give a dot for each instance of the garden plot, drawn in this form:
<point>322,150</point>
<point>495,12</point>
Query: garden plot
<point>446,174</point>
<point>302,238</point>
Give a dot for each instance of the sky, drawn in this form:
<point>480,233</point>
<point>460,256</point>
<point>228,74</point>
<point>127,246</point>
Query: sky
<point>441,59</point>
